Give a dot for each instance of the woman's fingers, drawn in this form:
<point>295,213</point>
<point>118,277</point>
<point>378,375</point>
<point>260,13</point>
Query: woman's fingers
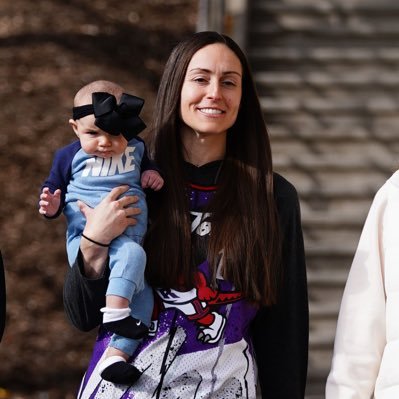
<point>128,200</point>
<point>116,192</point>
<point>123,202</point>
<point>132,211</point>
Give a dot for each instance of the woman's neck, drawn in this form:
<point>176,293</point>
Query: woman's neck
<point>200,149</point>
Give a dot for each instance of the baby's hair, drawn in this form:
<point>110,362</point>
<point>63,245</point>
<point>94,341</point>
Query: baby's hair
<point>83,96</point>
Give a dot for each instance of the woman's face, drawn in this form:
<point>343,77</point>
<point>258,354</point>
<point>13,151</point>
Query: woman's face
<point>211,92</point>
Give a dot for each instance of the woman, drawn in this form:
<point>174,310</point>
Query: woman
<point>231,301</point>
<point>366,350</point>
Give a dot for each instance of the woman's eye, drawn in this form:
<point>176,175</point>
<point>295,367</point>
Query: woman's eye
<point>200,80</point>
<point>229,83</point>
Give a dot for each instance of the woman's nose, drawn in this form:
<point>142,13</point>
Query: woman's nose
<point>214,90</point>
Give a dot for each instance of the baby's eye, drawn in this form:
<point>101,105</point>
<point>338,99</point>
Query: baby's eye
<point>91,133</point>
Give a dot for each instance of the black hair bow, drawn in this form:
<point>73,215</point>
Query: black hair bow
<point>119,118</point>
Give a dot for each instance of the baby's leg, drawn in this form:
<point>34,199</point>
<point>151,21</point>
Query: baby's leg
<point>127,263</point>
<point>114,367</point>
<point>117,318</point>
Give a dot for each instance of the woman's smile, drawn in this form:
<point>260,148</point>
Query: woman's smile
<point>211,111</point>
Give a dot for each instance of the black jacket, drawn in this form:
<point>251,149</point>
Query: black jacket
<point>279,333</point>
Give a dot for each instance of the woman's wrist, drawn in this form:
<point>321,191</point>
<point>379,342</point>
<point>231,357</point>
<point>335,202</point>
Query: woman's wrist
<point>94,258</point>
<point>101,244</point>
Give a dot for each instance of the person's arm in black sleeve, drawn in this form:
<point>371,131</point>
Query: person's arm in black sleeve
<point>280,333</point>
<point>84,297</point>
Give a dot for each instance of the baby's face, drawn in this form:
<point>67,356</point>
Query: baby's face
<point>96,142</point>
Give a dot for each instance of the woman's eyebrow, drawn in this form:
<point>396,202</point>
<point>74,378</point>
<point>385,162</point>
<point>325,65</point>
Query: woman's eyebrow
<point>209,71</point>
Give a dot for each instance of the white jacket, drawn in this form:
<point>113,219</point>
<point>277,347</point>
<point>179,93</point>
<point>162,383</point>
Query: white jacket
<point>366,351</point>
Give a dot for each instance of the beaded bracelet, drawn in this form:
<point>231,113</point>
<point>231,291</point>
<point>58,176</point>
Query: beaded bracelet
<point>95,242</point>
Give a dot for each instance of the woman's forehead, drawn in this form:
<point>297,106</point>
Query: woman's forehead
<point>215,56</point>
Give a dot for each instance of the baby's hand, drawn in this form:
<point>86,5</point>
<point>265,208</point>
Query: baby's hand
<point>49,203</point>
<point>151,179</point>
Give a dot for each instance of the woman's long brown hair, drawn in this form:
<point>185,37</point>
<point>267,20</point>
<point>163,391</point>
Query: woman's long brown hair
<point>245,226</point>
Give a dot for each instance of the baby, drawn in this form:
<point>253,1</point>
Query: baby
<point>108,154</point>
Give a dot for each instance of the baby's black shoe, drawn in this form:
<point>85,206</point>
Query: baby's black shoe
<point>121,373</point>
<point>128,327</point>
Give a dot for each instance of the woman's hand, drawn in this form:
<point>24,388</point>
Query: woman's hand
<point>106,221</point>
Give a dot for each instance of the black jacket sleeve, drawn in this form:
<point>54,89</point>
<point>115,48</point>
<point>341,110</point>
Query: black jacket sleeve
<point>2,298</point>
<point>84,297</point>
<point>146,162</point>
<point>280,333</point>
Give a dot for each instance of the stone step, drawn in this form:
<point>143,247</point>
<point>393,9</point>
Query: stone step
<point>380,105</point>
<point>323,55</point>
<point>343,250</point>
<point>326,6</point>
<point>322,315</point>
<point>326,279</point>
<point>355,28</point>
<point>322,332</point>
<point>374,36</point>
<point>327,264</point>
<point>322,186</point>
<point>333,218</point>
<point>315,388</point>
<point>351,129</point>
<point>334,162</point>
<point>319,365</point>
<point>367,78</point>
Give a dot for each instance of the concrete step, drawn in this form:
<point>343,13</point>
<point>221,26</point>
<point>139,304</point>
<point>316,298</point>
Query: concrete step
<point>334,217</point>
<point>329,265</point>
<point>350,129</point>
<point>315,388</point>
<point>335,162</point>
<point>322,186</point>
<point>387,105</point>
<point>328,7</point>
<point>326,250</point>
<point>361,79</point>
<point>324,304</point>
<point>323,55</point>
<point>320,24</point>
<point>322,334</point>
<point>319,365</point>
<point>325,279</point>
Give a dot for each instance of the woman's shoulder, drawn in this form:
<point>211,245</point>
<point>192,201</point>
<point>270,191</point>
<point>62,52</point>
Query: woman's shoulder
<point>283,189</point>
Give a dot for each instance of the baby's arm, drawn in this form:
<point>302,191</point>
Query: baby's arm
<point>49,203</point>
<point>151,179</point>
